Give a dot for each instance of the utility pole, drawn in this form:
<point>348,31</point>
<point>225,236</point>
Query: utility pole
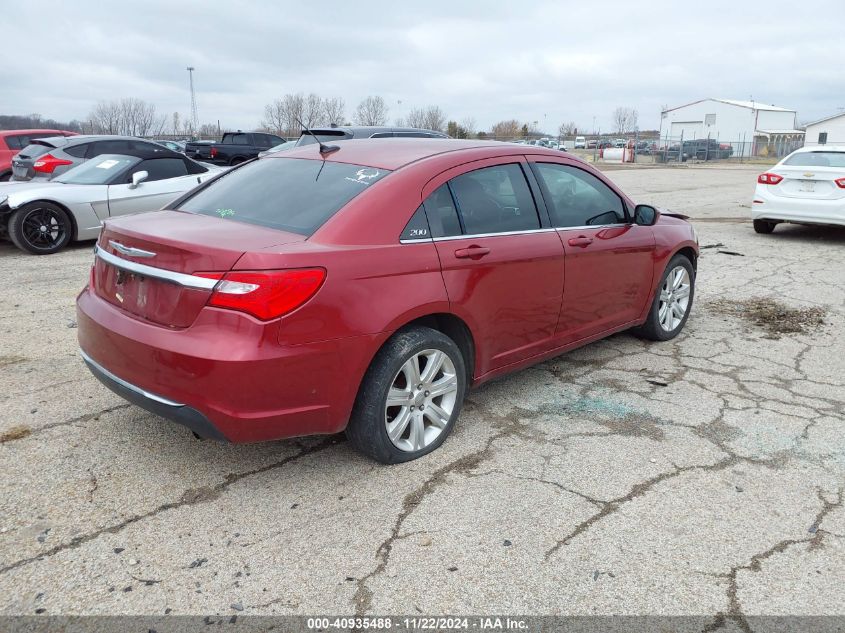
<point>194,117</point>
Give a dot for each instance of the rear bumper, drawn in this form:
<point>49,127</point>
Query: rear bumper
<point>799,210</point>
<point>174,411</point>
<point>226,376</point>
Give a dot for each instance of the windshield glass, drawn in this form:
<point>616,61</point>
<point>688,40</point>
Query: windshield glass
<point>816,159</point>
<point>98,171</point>
<point>291,194</point>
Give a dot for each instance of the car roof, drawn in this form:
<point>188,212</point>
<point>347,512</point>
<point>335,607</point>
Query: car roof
<point>820,148</point>
<point>371,129</point>
<point>396,153</point>
<point>5,133</point>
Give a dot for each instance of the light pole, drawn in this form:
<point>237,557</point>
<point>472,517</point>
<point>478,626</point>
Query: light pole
<point>194,117</point>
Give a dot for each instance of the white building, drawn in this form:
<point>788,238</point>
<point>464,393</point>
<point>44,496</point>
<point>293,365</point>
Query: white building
<point>752,128</point>
<point>827,131</point>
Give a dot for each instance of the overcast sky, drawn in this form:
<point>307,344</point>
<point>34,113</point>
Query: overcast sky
<point>546,61</point>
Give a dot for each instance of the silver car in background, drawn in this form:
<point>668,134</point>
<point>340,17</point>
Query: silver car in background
<point>42,217</point>
<point>46,158</point>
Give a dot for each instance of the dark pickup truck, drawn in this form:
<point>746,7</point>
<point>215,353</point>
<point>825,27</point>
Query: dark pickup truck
<point>234,147</point>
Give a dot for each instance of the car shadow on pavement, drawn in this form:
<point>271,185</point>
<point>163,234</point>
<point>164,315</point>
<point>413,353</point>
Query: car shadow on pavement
<point>798,232</point>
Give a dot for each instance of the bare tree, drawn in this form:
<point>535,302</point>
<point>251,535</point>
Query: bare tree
<point>624,120</point>
<point>469,126</point>
<point>312,110</point>
<point>434,119</point>
<point>275,119</point>
<point>508,129</point>
<point>130,116</point>
<point>415,118</point>
<point>567,129</point>
<point>333,110</point>
<point>371,111</point>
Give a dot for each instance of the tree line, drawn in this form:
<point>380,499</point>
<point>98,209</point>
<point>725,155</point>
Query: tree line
<point>283,116</point>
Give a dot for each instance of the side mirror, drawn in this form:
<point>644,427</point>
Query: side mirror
<point>137,178</point>
<point>645,215</point>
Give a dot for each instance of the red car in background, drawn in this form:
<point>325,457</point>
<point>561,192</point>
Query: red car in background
<point>367,287</point>
<point>13,141</point>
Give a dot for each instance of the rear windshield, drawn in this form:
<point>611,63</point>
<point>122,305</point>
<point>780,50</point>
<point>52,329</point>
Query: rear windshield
<point>291,194</point>
<point>35,150</point>
<point>817,159</point>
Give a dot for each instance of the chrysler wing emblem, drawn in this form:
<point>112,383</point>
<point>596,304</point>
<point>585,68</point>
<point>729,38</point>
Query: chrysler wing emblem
<point>130,251</point>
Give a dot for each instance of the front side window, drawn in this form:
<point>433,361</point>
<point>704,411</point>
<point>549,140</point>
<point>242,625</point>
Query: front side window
<point>291,194</point>
<point>495,200</point>
<point>577,198</point>
<point>162,168</point>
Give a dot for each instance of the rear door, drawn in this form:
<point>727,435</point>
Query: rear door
<point>502,265</point>
<point>609,260</point>
<point>168,178</point>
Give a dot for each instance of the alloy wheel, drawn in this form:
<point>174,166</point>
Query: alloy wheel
<point>43,228</point>
<point>674,298</point>
<point>421,400</point>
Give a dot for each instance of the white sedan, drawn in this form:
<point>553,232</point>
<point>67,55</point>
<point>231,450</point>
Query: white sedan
<point>42,217</point>
<point>806,187</point>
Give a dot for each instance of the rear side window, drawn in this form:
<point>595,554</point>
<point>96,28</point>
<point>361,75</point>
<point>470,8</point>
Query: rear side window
<point>108,147</point>
<point>290,194</point>
<point>495,200</point>
<point>78,150</point>
<point>442,214</point>
<point>417,228</point>
<point>236,139</point>
<point>14,142</point>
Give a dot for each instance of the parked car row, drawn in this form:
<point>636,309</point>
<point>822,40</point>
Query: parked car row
<point>13,141</point>
<point>66,192</point>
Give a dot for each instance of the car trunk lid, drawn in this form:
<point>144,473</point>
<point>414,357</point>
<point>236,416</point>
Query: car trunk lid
<point>146,264</point>
<point>816,183</point>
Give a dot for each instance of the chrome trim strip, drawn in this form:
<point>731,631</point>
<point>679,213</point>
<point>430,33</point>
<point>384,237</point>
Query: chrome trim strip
<point>503,234</point>
<point>129,250</point>
<point>128,385</point>
<point>182,279</point>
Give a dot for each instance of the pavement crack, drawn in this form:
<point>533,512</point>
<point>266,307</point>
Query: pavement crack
<point>638,490</point>
<point>735,612</point>
<point>192,496</point>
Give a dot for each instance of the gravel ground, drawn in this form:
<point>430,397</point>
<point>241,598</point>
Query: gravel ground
<point>701,476</point>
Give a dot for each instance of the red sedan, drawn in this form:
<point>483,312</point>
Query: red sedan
<point>367,288</point>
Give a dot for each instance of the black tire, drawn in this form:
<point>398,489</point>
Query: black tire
<point>764,226</point>
<point>40,228</point>
<point>367,429</point>
<point>652,328</point>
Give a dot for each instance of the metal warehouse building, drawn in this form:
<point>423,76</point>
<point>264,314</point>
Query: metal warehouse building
<point>827,131</point>
<point>750,127</point>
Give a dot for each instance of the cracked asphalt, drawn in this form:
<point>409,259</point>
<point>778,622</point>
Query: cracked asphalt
<point>703,476</point>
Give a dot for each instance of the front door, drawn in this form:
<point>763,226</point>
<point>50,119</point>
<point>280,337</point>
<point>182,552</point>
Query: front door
<point>503,270</point>
<point>609,260</point>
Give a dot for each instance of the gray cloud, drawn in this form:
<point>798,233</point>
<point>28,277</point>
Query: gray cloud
<point>544,61</point>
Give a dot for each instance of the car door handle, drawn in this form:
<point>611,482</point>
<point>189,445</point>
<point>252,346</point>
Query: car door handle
<point>472,252</point>
<point>581,240</point>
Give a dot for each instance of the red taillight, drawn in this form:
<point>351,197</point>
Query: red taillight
<point>48,163</point>
<point>266,294</point>
<point>840,182</point>
<point>213,152</point>
<point>769,179</point>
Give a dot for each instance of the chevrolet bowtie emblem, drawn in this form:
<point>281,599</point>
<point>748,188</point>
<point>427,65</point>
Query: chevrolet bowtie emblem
<point>808,175</point>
